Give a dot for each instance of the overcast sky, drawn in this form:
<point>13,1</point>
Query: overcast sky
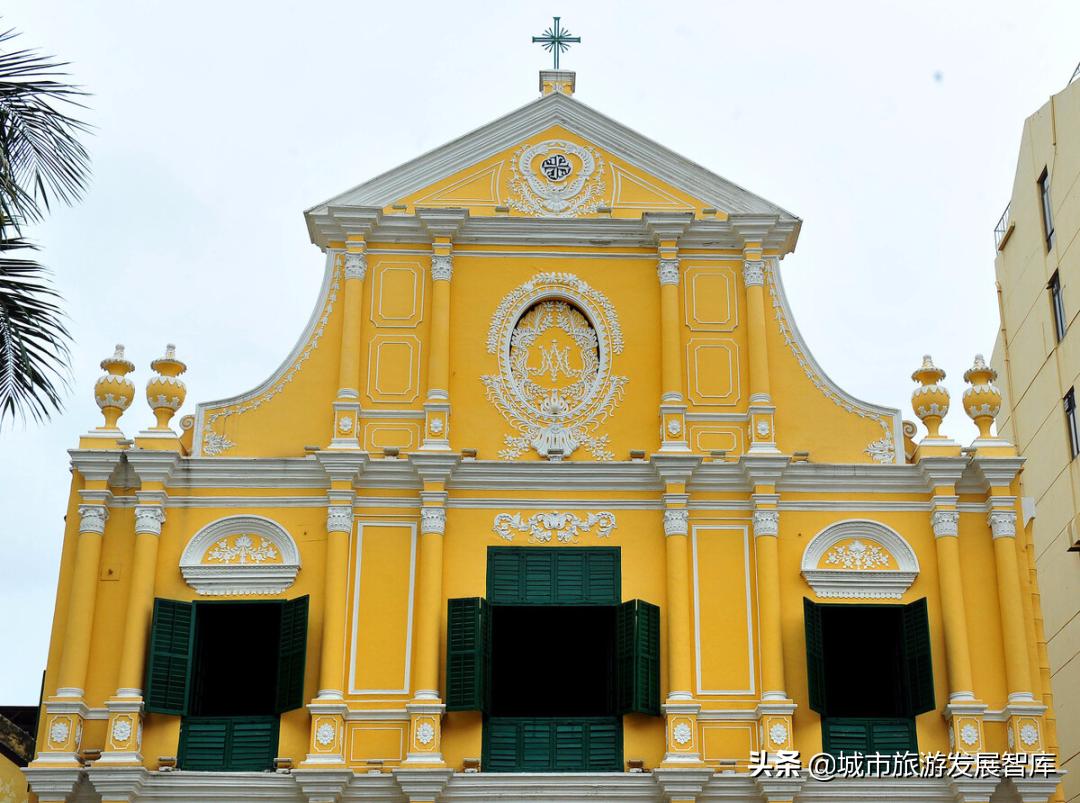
<point>890,128</point>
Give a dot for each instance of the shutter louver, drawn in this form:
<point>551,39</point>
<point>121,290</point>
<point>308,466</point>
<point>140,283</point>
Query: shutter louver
<point>918,666</point>
<point>228,744</point>
<point>555,744</point>
<point>815,656</point>
<point>637,646</point>
<point>168,671</point>
<point>292,655</point>
<point>468,629</point>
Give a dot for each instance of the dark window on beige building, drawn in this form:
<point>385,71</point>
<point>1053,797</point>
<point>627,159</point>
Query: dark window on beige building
<point>1058,306</point>
<point>1070,421</point>
<point>1048,217</point>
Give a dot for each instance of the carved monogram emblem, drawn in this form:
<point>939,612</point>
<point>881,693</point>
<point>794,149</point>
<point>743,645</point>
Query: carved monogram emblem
<point>554,337</point>
<point>556,167</point>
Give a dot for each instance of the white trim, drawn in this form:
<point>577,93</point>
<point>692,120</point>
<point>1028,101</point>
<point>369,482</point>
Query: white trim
<point>696,580</point>
<point>844,399</point>
<point>203,408</point>
<point>233,579</point>
<point>860,583</point>
<point>354,640</point>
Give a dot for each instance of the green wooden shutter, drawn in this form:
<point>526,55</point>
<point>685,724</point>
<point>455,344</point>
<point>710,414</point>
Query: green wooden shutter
<point>541,576</point>
<point>168,670</point>
<point>505,575</point>
<point>637,650</point>
<point>553,576</point>
<point>603,576</point>
<point>893,736</point>
<point>918,666</point>
<point>292,655</point>
<point>468,651</point>
<point>204,743</point>
<point>815,655</point>
<point>845,735</point>
<point>552,744</point>
<point>253,743</point>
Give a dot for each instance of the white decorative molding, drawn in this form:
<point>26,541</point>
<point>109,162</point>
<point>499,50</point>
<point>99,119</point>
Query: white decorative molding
<point>676,521</point>
<point>355,266</point>
<point>92,518</point>
<point>211,442</point>
<point>564,527</point>
<point>121,729</point>
<point>1002,523</point>
<point>240,555</point>
<point>339,519</point>
<point>753,272</point>
<point>558,407</point>
<point>325,734</point>
<point>945,522</point>
<point>887,449</point>
<point>668,271</point>
<point>766,522</point>
<point>442,267</point>
<point>681,733</point>
<point>425,733</point>
<point>149,518</point>
<point>969,734</point>
<point>432,520</point>
<point>1029,735</point>
<point>558,188</point>
<point>857,574</point>
<point>778,734</point>
<point>59,731</point>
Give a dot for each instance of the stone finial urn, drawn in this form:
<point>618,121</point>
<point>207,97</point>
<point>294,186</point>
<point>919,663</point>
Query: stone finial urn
<point>113,391</point>
<point>982,400</point>
<point>165,393</point>
<point>930,400</point>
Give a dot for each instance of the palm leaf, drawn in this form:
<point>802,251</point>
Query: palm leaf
<point>33,338</point>
<point>41,158</point>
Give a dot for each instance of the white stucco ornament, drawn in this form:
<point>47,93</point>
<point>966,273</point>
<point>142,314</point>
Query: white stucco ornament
<point>682,733</point>
<point>564,527</point>
<point>969,734</point>
<point>556,178</point>
<point>859,559</point>
<point>425,733</point>
<point>240,555</point>
<point>59,731</point>
<point>1029,735</point>
<point>554,337</point>
<point>325,734</point>
<point>121,730</point>
<point>778,733</point>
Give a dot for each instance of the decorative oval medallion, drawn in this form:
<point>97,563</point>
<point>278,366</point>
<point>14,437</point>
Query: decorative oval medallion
<point>554,337</point>
<point>556,178</point>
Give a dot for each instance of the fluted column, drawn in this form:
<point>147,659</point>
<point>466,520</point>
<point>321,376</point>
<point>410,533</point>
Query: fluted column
<point>347,428</point>
<point>761,411</point>
<point>437,405</point>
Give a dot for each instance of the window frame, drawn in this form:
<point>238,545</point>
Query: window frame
<point>1057,306</point>
<point>1071,425</point>
<point>1047,208</point>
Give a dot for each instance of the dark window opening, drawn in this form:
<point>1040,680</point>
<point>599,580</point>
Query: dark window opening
<point>1070,420</point>
<point>552,661</point>
<point>864,659</point>
<point>1058,306</point>
<point>1048,215</point>
<point>236,659</point>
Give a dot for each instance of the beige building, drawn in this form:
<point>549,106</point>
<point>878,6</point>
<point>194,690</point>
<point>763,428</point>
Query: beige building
<point>1037,355</point>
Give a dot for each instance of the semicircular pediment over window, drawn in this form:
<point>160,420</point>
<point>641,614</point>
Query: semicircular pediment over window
<point>240,555</point>
<point>859,559</point>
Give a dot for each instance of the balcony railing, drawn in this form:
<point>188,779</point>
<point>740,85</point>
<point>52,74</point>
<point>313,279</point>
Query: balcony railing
<point>1003,229</point>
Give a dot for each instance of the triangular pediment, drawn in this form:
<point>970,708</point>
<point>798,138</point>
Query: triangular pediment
<point>555,157</point>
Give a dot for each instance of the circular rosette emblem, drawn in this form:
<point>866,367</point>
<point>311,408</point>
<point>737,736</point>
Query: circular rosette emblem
<point>554,337</point>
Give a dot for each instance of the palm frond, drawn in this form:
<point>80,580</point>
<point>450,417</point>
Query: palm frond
<point>41,158</point>
<point>33,337</point>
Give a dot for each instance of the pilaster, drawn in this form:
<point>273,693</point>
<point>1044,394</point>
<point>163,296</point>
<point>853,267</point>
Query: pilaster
<point>346,407</point>
<point>761,411</point>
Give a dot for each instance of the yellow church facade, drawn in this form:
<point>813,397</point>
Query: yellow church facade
<point>550,501</point>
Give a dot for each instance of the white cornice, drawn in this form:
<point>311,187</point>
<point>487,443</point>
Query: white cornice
<point>554,109</point>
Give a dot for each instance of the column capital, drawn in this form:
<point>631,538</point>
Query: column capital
<point>753,272</point>
<point>355,266</point>
<point>442,267</point>
<point>148,519</point>
<point>92,518</point>
<point>766,522</point>
<point>1002,523</point>
<point>667,269</point>
<point>676,521</point>
<point>432,520</point>
<point>339,519</point>
<point>945,523</point>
